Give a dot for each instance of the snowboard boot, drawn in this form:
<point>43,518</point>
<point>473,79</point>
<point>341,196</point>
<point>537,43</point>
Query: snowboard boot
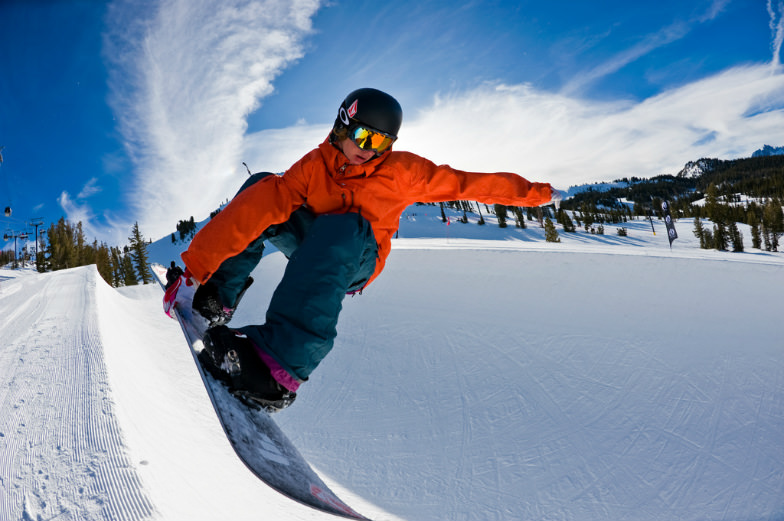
<point>207,303</point>
<point>230,357</point>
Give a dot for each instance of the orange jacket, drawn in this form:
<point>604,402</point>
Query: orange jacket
<point>380,190</point>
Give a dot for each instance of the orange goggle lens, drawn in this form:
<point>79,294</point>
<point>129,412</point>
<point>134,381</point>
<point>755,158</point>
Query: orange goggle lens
<point>368,139</point>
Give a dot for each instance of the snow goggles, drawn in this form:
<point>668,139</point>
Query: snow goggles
<point>369,139</point>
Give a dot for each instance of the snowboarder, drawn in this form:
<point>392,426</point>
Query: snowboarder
<point>172,274</point>
<point>332,214</point>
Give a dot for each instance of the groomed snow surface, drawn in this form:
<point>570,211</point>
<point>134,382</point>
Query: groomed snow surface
<point>602,378</point>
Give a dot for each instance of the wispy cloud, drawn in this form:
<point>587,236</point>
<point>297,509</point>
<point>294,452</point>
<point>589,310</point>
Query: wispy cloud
<point>667,35</point>
<point>76,211</point>
<point>776,13</point>
<point>79,210</point>
<point>649,43</point>
<point>106,228</point>
<point>572,141</point>
<point>714,9</point>
<point>184,81</point>
<point>89,189</point>
<point>552,137</point>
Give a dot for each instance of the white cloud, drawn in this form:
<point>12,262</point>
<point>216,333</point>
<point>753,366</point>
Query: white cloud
<point>776,29</point>
<point>184,82</point>
<point>199,68</point>
<point>79,210</point>
<point>76,212</point>
<point>89,189</point>
<point>667,35</point>
<point>551,137</point>
<point>108,229</point>
<point>277,149</point>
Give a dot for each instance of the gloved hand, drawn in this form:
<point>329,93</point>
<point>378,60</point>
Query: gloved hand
<point>181,292</point>
<point>556,198</point>
<point>207,303</point>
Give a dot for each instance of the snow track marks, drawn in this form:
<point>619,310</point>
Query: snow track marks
<point>61,451</point>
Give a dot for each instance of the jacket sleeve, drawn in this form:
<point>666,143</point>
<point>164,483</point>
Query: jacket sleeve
<point>269,201</point>
<point>436,183</point>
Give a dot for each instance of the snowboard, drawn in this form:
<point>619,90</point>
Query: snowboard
<point>256,438</point>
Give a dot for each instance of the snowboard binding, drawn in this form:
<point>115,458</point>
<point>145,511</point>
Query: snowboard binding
<point>231,358</point>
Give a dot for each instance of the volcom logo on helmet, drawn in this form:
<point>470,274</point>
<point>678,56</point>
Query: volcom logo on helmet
<point>352,110</point>
<point>345,115</point>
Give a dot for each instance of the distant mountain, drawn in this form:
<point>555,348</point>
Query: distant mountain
<point>759,177</point>
<point>695,169</point>
<point>596,187</point>
<point>768,150</point>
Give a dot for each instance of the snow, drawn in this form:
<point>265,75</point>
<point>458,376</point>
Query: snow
<point>486,374</point>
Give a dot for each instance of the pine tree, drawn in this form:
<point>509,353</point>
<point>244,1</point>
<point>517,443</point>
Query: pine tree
<point>139,255</point>
<point>705,236</point>
<point>699,231</point>
<point>61,252</point>
<point>753,221</point>
<point>519,217</point>
<point>550,233</point>
<point>736,237</point>
<point>82,257</point>
<point>129,276</point>
<point>40,258</point>
<point>103,262</point>
<point>772,224</point>
<point>707,240</point>
<point>756,236</point>
<point>500,213</point>
<point>720,236</point>
<point>117,267</point>
<point>713,208</point>
<point>565,221</point>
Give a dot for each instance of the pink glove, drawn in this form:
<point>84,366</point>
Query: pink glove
<point>179,293</point>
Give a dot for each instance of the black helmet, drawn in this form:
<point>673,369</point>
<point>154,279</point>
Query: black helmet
<point>372,108</point>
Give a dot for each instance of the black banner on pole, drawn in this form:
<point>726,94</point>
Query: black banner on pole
<point>671,233</point>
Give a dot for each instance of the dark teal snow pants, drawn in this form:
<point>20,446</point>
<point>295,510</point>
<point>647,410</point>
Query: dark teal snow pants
<point>329,256</point>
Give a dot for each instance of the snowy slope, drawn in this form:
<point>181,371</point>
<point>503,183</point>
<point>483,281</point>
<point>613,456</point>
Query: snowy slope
<point>599,378</point>
<point>61,446</point>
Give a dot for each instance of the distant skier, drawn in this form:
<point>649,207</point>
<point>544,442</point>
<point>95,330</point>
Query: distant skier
<point>332,214</point>
<point>172,274</point>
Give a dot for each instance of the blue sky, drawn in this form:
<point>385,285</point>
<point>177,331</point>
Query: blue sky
<point>116,112</point>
